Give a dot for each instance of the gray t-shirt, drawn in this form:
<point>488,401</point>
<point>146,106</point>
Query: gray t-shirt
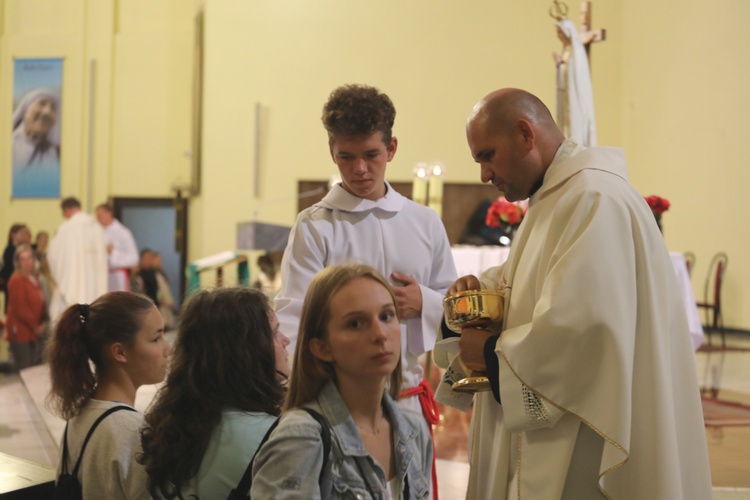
<point>108,469</point>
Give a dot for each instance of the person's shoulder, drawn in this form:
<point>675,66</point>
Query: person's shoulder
<point>421,216</point>
<point>314,213</point>
<point>15,279</point>
<point>297,422</point>
<point>250,421</point>
<point>423,210</point>
<point>125,419</point>
<point>116,430</point>
<point>242,429</point>
<point>315,221</point>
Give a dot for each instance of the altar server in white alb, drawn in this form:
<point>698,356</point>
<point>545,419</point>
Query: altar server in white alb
<point>595,391</point>
<point>122,251</point>
<point>77,257</point>
<point>363,219</point>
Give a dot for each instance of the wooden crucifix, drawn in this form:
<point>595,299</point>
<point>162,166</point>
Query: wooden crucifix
<point>589,36</point>
<point>575,103</point>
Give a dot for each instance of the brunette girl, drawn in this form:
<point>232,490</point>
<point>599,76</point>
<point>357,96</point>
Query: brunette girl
<point>224,390</point>
<point>121,334</point>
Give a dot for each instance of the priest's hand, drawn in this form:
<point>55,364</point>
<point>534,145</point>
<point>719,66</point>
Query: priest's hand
<point>408,296</point>
<point>471,345</point>
<point>464,283</point>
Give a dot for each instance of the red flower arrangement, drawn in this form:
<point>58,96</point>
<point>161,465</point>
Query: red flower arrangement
<point>505,214</point>
<point>658,205</point>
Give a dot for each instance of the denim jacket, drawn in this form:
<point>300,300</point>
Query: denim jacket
<point>289,464</point>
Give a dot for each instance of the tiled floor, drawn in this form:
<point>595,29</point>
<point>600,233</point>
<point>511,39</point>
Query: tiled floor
<point>28,431</point>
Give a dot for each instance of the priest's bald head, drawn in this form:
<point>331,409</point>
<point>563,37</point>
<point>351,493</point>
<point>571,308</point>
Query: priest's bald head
<point>513,137</point>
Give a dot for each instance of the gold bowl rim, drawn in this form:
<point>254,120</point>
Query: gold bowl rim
<point>469,293</point>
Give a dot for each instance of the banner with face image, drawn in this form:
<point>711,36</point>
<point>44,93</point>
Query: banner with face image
<point>37,91</point>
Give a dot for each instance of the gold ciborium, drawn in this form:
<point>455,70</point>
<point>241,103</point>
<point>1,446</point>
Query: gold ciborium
<point>473,308</point>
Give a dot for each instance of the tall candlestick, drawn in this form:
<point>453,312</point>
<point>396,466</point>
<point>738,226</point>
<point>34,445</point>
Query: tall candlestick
<point>419,185</point>
<point>436,188</point>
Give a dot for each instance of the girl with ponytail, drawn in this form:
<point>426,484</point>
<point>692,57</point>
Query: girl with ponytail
<point>99,355</point>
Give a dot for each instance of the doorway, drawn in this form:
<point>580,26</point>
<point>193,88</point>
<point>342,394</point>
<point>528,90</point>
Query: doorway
<point>159,224</point>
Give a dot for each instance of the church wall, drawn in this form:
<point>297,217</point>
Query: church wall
<point>38,29</point>
<point>435,60</point>
<point>138,131</point>
<point>685,120</point>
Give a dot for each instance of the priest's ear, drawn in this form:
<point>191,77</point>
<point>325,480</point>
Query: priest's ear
<point>527,133</point>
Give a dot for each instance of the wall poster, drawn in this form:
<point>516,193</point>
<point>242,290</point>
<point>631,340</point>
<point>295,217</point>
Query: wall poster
<point>37,88</point>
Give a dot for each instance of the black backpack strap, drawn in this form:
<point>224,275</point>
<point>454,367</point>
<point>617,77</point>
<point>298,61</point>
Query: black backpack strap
<point>326,437</point>
<point>88,436</point>
<point>64,467</point>
<point>242,491</point>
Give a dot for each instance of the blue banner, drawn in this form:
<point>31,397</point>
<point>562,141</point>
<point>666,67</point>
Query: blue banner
<point>37,91</point>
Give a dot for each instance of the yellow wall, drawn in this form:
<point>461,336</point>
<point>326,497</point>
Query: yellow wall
<point>131,60</point>
<point>685,125</point>
<point>669,87</point>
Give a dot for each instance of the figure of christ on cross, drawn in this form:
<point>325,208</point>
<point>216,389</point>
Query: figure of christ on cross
<point>575,102</point>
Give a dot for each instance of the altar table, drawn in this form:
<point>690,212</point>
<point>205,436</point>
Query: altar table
<point>686,291</point>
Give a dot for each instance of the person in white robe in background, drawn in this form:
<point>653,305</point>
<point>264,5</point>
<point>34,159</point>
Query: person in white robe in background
<point>594,386</point>
<point>122,251</point>
<point>77,257</point>
<point>363,219</point>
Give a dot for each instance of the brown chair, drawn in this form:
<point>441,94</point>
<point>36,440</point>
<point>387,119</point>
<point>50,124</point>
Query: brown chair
<point>712,297</point>
<point>689,261</point>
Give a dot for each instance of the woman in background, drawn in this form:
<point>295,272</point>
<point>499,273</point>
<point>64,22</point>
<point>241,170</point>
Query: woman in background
<point>27,312</point>
<point>223,392</point>
<point>42,270</point>
<point>347,367</point>
<point>165,300</point>
<point>18,234</point>
<point>121,333</point>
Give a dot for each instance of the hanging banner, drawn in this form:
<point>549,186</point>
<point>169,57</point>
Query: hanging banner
<point>37,87</point>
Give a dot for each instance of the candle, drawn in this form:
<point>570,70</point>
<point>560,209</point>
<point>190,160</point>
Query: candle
<point>436,188</point>
<point>419,185</point>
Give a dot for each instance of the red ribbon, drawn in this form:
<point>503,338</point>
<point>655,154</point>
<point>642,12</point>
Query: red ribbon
<point>431,415</point>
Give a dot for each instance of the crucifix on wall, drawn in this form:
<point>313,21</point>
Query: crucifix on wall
<point>589,36</point>
<point>575,100</point>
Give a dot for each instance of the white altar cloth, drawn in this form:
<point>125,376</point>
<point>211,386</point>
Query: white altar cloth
<point>686,290</point>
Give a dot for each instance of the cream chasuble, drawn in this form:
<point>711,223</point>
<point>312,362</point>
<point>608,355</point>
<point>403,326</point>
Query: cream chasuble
<point>596,369</point>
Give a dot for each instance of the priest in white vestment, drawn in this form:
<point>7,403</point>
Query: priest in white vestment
<point>77,257</point>
<point>594,387</point>
<point>122,251</point>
